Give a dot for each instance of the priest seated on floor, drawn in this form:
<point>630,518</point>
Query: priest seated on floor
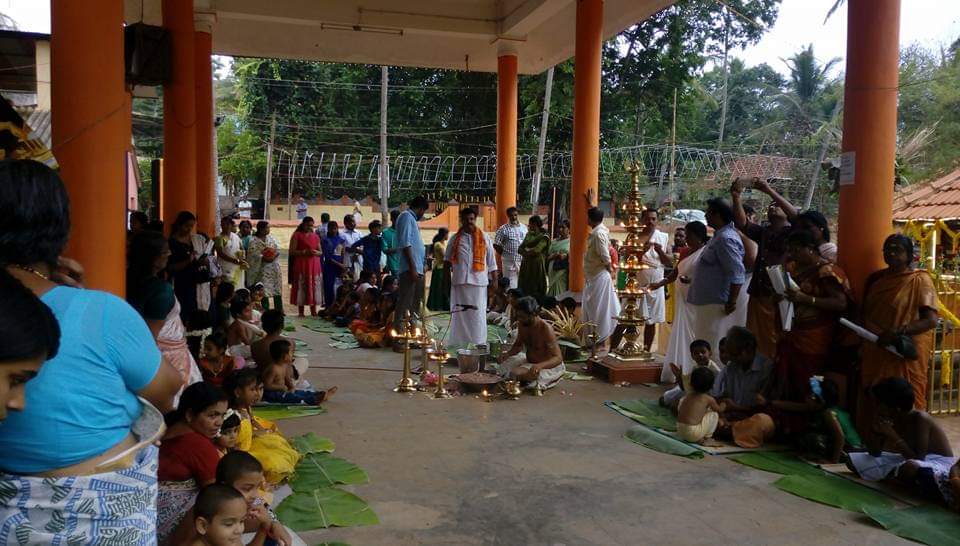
<point>535,358</point>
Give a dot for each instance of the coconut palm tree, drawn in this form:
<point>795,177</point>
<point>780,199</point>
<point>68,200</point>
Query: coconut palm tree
<point>833,9</point>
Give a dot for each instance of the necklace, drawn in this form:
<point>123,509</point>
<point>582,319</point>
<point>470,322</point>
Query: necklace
<point>29,269</point>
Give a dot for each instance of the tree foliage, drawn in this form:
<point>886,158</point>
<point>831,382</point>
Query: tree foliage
<point>328,107</point>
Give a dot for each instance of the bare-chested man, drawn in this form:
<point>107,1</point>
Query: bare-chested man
<point>535,357</point>
<point>920,453</point>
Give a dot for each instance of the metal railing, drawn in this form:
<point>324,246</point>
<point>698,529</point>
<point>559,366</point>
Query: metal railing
<point>943,379</point>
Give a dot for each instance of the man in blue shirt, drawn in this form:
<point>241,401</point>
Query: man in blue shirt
<point>410,247</point>
<point>372,247</point>
<point>719,276</point>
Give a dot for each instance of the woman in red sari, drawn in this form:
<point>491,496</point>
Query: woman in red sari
<point>824,296</point>
<point>306,280</point>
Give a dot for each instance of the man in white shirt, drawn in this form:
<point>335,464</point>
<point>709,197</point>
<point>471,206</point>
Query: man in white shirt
<point>302,209</point>
<point>471,263</point>
<point>507,243</point>
<point>600,303</point>
<point>655,258</point>
<point>244,208</point>
<point>351,234</point>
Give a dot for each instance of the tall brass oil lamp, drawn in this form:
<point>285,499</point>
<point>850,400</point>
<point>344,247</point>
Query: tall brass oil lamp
<point>633,314</point>
<point>409,334</point>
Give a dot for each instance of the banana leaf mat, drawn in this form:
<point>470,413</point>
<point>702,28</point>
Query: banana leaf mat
<point>834,491</point>
<point>925,524</point>
<point>835,486</point>
<point>657,441</point>
<point>275,412</point>
<point>645,412</point>
<point>892,489</point>
<point>777,463</point>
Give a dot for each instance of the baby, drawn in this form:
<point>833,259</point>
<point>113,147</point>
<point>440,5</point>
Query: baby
<point>698,413</point>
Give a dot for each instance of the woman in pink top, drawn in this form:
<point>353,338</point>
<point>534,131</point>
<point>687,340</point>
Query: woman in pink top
<point>307,280</point>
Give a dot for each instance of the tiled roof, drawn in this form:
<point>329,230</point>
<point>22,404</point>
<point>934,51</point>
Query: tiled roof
<point>934,200</point>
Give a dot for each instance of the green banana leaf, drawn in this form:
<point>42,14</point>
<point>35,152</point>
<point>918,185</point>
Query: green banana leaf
<point>656,441</point>
<point>833,491</point>
<point>311,443</point>
<point>275,413</point>
<point>324,507</point>
<point>776,462</point>
<point>324,470</point>
<point>926,524</point>
<point>646,412</point>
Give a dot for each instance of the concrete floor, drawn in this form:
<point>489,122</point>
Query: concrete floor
<point>553,470</point>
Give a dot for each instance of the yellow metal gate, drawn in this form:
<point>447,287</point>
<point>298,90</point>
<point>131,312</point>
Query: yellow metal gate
<point>943,381</point>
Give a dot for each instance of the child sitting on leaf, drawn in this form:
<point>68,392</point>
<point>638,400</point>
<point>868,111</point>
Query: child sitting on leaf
<point>279,385</point>
<point>698,413</point>
<point>702,357</point>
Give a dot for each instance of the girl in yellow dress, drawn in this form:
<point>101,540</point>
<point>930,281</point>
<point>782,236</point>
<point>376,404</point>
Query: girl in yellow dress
<point>259,437</point>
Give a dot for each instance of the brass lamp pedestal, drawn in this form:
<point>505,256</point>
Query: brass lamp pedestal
<point>410,333</point>
<point>629,361</point>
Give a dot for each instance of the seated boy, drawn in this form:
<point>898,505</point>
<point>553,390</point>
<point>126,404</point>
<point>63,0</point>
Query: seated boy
<point>240,476</point>
<point>351,311</point>
<point>368,280</point>
<point>702,358</point>
<point>830,431</point>
<point>339,304</point>
<point>921,455</point>
<point>272,323</point>
<point>218,516</point>
<point>279,386</point>
<point>389,285</point>
<point>535,358</point>
<point>698,413</point>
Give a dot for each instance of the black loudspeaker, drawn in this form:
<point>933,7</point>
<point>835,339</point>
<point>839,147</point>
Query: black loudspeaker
<point>147,52</point>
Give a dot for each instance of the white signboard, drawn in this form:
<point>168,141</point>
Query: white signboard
<point>848,168</point>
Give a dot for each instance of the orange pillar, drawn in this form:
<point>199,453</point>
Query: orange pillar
<point>506,135</point>
<point>870,132</point>
<point>91,133</point>
<point>203,81</point>
<point>586,129</point>
<point>179,114</point>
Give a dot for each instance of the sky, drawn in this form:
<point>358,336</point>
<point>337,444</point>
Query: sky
<point>931,23</point>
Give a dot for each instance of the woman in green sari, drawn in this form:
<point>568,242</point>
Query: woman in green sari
<point>533,269</point>
<point>439,297</point>
<point>558,260</point>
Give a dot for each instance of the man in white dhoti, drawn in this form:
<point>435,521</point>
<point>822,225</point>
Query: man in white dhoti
<point>920,456</point>
<point>655,258</point>
<point>600,303</point>
<point>507,243</point>
<point>471,263</point>
<point>720,275</point>
<point>535,358</point>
